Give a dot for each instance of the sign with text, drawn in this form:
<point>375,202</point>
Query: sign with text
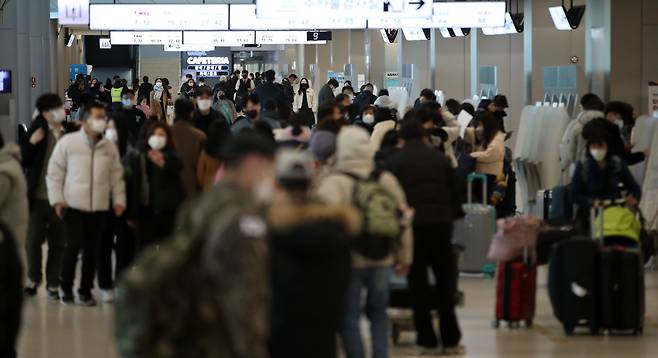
<point>209,64</point>
<point>5,81</point>
<point>284,38</point>
<point>146,37</point>
<point>158,17</point>
<point>318,35</point>
<point>344,8</point>
<point>104,43</point>
<point>183,47</point>
<point>469,14</point>
<point>73,12</point>
<point>219,38</point>
<point>243,17</point>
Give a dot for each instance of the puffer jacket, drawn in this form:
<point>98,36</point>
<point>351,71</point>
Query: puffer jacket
<point>13,192</point>
<point>573,144</point>
<point>85,176</point>
<point>354,155</point>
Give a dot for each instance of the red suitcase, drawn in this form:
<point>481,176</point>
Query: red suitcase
<point>515,293</point>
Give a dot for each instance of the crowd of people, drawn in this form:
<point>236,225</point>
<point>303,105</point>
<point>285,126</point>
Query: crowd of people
<point>250,220</point>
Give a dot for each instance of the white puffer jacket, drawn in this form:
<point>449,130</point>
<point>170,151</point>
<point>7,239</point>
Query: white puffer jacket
<point>573,144</point>
<point>85,176</point>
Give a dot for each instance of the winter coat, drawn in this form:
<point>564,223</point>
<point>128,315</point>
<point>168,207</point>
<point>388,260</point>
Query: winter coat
<point>189,143</point>
<point>326,95</point>
<point>309,245</point>
<point>573,144</point>
<point>206,170</point>
<point>270,91</point>
<point>490,160</point>
<point>379,132</point>
<point>33,156</point>
<point>355,156</point>
<point>11,293</point>
<point>227,109</point>
<point>202,122</point>
<point>13,192</point>
<point>85,176</point>
<point>364,98</point>
<point>591,182</point>
<point>310,97</point>
<point>428,181</point>
<point>203,293</point>
<point>161,186</point>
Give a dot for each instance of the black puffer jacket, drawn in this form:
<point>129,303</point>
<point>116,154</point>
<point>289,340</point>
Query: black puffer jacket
<point>165,187</point>
<point>310,268</point>
<point>11,293</point>
<point>34,155</point>
<point>428,181</point>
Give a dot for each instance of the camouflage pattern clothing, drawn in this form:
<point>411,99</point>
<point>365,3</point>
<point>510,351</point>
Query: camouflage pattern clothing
<point>205,292</point>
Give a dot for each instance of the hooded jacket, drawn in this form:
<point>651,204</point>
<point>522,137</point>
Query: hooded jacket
<point>354,155</point>
<point>309,245</point>
<point>84,175</point>
<point>573,144</point>
<point>13,192</point>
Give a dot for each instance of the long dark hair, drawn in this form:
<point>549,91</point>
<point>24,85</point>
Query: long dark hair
<point>300,85</point>
<point>489,124</point>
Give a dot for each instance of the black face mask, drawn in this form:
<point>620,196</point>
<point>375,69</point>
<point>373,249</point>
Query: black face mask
<point>252,114</point>
<point>303,86</point>
<point>245,77</point>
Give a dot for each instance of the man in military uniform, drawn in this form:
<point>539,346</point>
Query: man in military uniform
<point>205,292</point>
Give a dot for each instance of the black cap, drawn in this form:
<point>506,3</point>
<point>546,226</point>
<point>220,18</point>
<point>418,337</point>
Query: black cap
<point>500,101</point>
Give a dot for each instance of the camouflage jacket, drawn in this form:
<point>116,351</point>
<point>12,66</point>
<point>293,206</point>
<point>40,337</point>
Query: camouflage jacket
<point>205,292</point>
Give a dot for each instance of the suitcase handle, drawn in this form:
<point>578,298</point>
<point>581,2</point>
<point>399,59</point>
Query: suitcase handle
<point>594,213</point>
<point>472,177</point>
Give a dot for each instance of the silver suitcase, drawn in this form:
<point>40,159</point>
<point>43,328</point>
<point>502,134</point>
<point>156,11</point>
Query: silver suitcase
<point>474,232</point>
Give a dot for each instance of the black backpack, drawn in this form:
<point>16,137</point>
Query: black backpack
<point>382,217</point>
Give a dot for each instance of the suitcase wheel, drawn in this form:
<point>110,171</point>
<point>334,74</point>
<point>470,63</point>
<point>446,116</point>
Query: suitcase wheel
<point>396,333</point>
<point>495,324</point>
<point>528,323</point>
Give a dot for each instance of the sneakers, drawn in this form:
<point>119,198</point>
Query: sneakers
<point>86,299</point>
<point>53,293</point>
<point>68,298</point>
<point>107,296</point>
<point>31,289</point>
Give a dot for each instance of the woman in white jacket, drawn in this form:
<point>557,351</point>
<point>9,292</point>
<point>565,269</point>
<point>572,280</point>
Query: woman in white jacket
<point>306,103</point>
<point>489,155</point>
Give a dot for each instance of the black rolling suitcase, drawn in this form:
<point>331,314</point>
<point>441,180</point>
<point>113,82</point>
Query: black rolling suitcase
<point>572,283</point>
<point>621,290</point>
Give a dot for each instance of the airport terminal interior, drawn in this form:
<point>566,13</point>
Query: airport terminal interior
<point>328,178</point>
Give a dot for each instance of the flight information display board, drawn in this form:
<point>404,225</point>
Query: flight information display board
<point>158,17</point>
<point>146,37</point>
<point>243,17</point>
<point>344,8</point>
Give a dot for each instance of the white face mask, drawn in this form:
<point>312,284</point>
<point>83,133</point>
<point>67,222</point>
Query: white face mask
<point>58,115</point>
<point>97,125</point>
<point>204,104</point>
<point>111,134</point>
<point>158,86</point>
<point>157,142</point>
<point>368,118</point>
<point>598,154</point>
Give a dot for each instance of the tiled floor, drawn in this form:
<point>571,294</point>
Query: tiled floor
<point>54,331</point>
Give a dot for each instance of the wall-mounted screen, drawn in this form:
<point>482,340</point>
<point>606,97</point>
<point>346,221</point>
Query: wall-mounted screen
<point>218,38</point>
<point>5,81</point>
<point>344,8</point>
<point>284,38</point>
<point>158,17</point>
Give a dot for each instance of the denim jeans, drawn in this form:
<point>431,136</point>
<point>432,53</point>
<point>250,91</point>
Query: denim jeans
<point>375,281</point>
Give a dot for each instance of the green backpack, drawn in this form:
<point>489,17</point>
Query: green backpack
<point>620,222</point>
<point>381,218</point>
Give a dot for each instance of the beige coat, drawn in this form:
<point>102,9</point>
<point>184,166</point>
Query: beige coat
<point>189,143</point>
<point>490,160</point>
<point>13,192</point>
<point>354,155</point>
